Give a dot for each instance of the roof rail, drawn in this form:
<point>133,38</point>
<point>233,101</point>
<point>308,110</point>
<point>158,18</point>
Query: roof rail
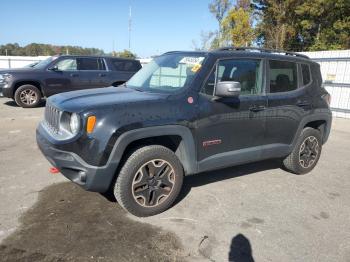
<point>265,50</point>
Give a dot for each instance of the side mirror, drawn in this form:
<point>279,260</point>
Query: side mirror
<point>227,89</point>
<point>54,68</point>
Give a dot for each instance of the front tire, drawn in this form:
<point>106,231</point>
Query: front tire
<point>27,96</point>
<point>149,181</point>
<point>306,152</point>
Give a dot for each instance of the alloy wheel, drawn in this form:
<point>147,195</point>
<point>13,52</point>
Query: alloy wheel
<point>153,183</point>
<point>308,152</point>
<point>28,97</point>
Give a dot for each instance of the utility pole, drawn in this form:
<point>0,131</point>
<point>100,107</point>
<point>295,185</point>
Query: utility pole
<point>130,27</point>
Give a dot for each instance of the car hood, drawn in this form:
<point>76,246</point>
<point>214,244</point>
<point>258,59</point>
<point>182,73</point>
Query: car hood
<point>83,100</point>
<point>18,70</point>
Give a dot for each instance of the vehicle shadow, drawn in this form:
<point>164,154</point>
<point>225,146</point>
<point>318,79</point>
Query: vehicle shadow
<point>214,176</point>
<point>13,103</point>
<point>240,249</point>
<point>224,174</point>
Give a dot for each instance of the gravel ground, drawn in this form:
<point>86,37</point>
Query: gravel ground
<point>252,212</point>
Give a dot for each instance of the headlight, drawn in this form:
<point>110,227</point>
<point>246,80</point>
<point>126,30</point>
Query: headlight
<point>3,77</point>
<point>74,123</point>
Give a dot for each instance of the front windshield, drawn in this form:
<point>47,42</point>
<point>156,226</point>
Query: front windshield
<point>44,63</point>
<point>167,73</point>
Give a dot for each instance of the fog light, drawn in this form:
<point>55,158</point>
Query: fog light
<point>82,176</point>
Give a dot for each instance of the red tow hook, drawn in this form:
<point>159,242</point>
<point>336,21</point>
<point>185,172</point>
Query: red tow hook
<point>54,170</point>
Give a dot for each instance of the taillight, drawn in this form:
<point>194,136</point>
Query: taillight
<point>327,98</point>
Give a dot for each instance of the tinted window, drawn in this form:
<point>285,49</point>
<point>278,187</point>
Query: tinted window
<point>305,69</point>
<point>283,76</point>
<point>132,66</point>
<point>88,64</point>
<point>245,71</point>
<point>69,64</point>
<point>101,64</point>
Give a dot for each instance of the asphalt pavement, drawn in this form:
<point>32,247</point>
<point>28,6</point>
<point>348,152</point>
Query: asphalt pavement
<point>255,212</point>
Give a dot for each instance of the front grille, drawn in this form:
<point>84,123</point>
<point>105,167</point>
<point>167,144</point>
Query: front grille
<point>52,118</point>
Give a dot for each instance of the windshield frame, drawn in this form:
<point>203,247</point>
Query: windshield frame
<point>45,63</point>
<point>176,90</point>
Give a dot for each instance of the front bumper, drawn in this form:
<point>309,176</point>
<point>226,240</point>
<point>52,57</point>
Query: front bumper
<point>91,178</point>
<point>6,90</point>
<point>1,87</point>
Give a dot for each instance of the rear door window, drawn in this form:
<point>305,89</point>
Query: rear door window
<point>88,64</point>
<point>129,66</point>
<point>101,64</point>
<point>283,76</point>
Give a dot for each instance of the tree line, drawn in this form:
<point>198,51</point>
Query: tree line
<point>293,25</point>
<point>35,49</point>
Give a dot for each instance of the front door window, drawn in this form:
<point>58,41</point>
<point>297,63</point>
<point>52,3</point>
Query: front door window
<point>69,64</point>
<point>245,71</point>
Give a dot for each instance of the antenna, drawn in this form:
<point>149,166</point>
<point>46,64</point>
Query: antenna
<point>129,27</point>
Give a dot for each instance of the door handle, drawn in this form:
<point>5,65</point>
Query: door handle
<point>101,74</point>
<point>303,103</point>
<point>257,108</point>
<point>74,75</point>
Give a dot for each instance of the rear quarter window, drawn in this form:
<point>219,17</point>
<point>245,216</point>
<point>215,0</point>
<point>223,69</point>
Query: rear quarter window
<point>127,66</point>
<point>305,70</point>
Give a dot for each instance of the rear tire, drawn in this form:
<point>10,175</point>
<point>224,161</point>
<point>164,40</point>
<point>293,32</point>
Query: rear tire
<point>27,96</point>
<point>306,152</point>
<point>149,181</point>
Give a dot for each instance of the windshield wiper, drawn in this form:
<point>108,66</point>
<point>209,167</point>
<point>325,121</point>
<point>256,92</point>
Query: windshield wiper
<point>138,89</point>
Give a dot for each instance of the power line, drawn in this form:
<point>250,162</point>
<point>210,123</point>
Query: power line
<point>130,27</point>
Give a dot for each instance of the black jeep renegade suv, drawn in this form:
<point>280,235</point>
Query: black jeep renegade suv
<point>59,74</point>
<point>186,113</point>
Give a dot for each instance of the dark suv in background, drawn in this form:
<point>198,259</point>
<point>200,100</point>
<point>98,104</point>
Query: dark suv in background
<point>59,74</point>
<point>186,113</point>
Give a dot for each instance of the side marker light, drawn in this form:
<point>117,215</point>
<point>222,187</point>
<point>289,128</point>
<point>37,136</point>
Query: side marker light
<point>91,121</point>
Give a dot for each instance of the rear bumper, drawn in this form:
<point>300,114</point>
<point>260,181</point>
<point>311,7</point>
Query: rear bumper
<point>91,178</point>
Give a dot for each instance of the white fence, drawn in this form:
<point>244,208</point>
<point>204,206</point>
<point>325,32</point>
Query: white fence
<point>19,61</point>
<point>335,69</point>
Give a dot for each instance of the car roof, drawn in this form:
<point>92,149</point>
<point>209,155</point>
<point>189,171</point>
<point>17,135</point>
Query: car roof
<point>101,56</point>
<point>251,53</point>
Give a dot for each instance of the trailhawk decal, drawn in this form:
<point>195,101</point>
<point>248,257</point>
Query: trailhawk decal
<point>191,60</point>
<point>211,142</point>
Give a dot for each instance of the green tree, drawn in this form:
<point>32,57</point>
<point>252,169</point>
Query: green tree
<point>35,49</point>
<point>219,9</point>
<point>238,26</point>
<point>206,39</point>
<point>277,27</point>
<point>324,24</point>
<point>126,54</point>
<point>299,25</point>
